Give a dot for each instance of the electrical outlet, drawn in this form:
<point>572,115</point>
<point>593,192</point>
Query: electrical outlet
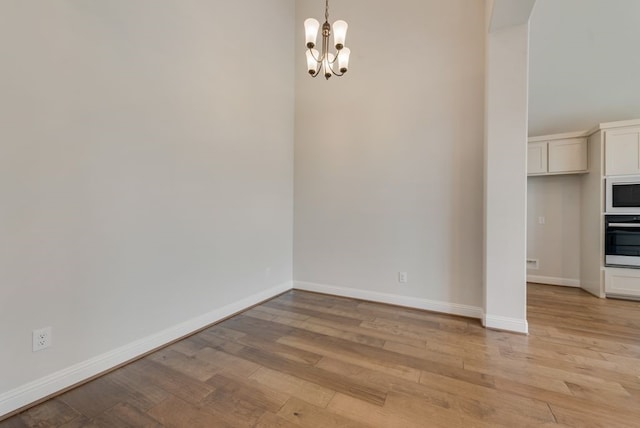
<point>402,277</point>
<point>41,338</point>
<point>532,263</point>
<point>542,220</point>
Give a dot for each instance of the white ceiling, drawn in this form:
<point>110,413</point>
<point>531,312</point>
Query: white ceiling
<point>584,64</point>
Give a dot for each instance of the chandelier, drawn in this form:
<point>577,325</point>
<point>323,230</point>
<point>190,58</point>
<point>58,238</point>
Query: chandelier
<point>326,62</point>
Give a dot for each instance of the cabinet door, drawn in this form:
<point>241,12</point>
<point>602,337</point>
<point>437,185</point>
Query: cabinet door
<point>537,158</point>
<point>568,155</point>
<point>622,151</point>
<point>622,282</point>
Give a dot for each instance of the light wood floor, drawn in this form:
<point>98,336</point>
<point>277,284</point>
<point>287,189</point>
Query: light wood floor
<point>311,360</point>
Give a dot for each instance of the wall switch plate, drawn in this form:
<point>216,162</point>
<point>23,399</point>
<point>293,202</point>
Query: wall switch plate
<point>41,338</point>
<point>542,220</point>
<point>402,277</point>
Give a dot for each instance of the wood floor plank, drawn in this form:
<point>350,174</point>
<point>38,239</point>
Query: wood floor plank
<point>599,368</point>
<point>314,324</point>
<point>146,371</point>
<point>190,345</point>
<point>358,357</point>
<point>143,395</point>
<point>271,346</point>
<point>269,420</point>
<point>597,409</point>
<point>391,312</point>
<point>322,328</point>
<point>226,363</point>
<point>372,415</point>
<point>543,377</point>
<point>310,392</point>
<point>292,308</point>
<point>177,413</point>
<point>426,354</point>
<point>304,414</point>
<point>14,422</point>
<point>50,413</point>
<point>96,397</point>
<point>485,394</point>
<point>331,310</point>
<point>574,418</point>
<point>197,368</point>
<point>418,409</point>
<point>80,422</point>
<point>388,382</point>
<point>272,314</point>
<point>234,389</point>
<point>359,389</point>
<point>126,416</point>
<point>473,337</point>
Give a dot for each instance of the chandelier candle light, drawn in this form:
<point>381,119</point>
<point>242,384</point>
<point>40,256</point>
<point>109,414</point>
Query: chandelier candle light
<point>326,62</point>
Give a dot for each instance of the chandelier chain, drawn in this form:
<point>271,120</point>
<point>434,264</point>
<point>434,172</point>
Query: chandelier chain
<point>326,11</point>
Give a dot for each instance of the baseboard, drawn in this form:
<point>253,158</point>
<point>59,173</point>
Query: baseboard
<point>393,299</point>
<point>497,322</point>
<point>46,386</point>
<point>565,282</point>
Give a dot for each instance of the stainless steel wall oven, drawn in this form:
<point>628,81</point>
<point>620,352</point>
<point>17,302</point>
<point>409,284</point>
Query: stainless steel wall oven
<point>622,240</point>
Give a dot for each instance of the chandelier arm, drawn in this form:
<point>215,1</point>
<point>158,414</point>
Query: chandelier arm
<point>322,67</point>
<point>334,73</point>
<point>318,59</point>
<point>331,64</point>
<point>316,73</point>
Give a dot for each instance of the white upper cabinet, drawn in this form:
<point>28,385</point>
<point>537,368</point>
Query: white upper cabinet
<point>537,158</point>
<point>622,151</point>
<point>557,154</point>
<point>568,155</point>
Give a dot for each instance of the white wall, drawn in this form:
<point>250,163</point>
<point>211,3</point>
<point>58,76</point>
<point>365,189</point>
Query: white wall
<point>592,219</point>
<point>556,243</point>
<point>505,182</point>
<point>146,169</point>
<point>388,159</point>
<point>584,64</point>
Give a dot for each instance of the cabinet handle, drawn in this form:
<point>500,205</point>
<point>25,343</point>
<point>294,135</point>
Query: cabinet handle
<point>635,225</point>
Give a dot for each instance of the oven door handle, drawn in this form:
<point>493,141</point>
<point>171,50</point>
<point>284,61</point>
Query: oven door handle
<point>633,225</point>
